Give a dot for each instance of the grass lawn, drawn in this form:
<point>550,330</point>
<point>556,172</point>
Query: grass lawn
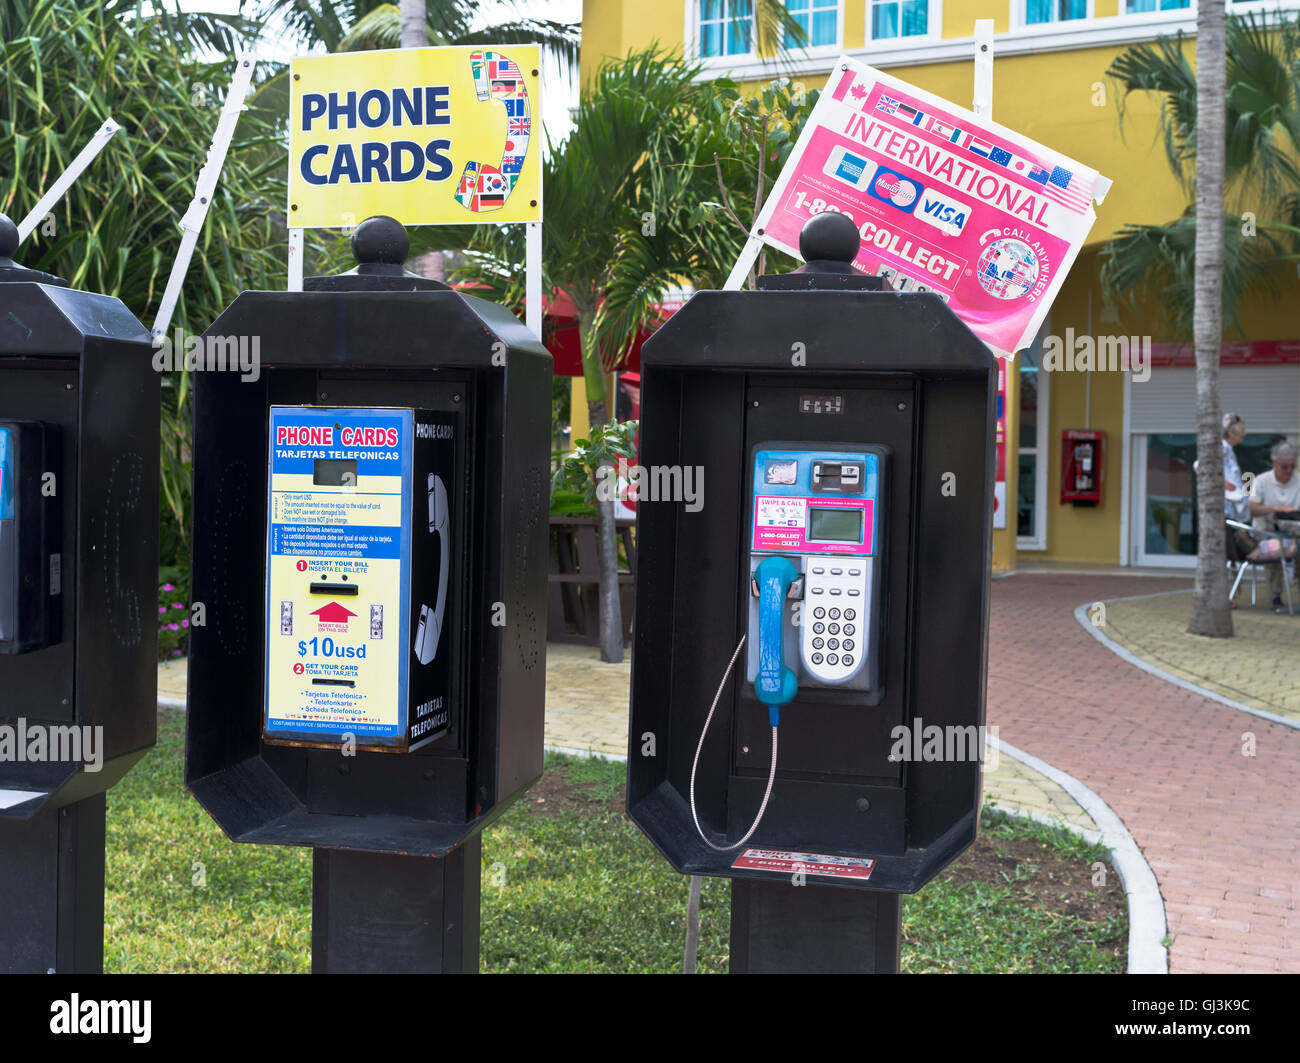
<point>568,885</point>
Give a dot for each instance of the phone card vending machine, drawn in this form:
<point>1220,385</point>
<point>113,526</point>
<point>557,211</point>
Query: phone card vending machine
<point>814,538</point>
<point>358,547</point>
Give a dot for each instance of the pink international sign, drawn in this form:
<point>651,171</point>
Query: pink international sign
<point>944,201</point>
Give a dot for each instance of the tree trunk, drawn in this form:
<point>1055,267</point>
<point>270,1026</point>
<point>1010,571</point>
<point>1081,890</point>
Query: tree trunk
<point>1210,611</point>
<point>415,24</point>
<point>611,607</point>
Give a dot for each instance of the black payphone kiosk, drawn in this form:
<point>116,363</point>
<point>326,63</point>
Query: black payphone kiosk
<point>79,443</point>
<point>370,545</point>
<point>843,554</point>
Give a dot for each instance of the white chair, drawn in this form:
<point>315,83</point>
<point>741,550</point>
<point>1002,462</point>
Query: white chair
<point>1243,563</point>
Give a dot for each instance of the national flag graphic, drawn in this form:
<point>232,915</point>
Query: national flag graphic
<point>943,129</point>
<point>911,113</point>
<point>1000,155</point>
<point>980,147</point>
<point>483,187</point>
<point>887,104</point>
<point>1059,186</point>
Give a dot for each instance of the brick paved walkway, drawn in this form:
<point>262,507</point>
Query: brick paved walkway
<point>1220,830</point>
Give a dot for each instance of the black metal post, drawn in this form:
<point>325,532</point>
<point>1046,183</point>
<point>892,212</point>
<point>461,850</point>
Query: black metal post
<point>780,928</point>
<point>384,913</point>
<point>52,891</point>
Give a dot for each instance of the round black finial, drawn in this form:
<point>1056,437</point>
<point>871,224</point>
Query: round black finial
<point>380,239</point>
<point>829,237</point>
<point>8,237</point>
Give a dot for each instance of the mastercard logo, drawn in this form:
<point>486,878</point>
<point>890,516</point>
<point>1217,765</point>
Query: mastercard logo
<point>895,189</point>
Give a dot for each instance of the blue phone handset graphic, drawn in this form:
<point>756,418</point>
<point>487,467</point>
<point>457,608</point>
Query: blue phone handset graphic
<point>775,685</point>
<point>430,627</point>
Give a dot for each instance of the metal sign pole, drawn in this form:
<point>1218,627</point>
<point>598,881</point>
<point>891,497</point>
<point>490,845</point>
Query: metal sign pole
<point>533,276</point>
<point>192,222</point>
<point>52,891</point>
<point>295,260</point>
<point>381,913</point>
<point>94,146</point>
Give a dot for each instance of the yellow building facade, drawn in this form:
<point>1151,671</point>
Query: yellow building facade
<point>1049,83</point>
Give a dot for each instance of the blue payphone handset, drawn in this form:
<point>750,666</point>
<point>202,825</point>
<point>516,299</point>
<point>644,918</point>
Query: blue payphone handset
<point>814,572</point>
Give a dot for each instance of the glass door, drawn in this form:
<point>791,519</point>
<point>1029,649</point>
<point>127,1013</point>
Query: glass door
<point>1164,493</point>
<point>1031,501</point>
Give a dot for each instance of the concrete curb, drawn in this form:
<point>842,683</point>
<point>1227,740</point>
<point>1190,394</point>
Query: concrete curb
<point>1147,927</point>
<point>172,703</point>
<point>1081,615</point>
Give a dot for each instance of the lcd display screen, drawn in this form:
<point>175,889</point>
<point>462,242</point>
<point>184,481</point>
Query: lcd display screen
<point>335,472</point>
<point>839,524</point>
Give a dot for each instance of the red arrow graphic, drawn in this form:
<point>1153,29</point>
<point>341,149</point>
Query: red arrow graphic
<point>333,613</point>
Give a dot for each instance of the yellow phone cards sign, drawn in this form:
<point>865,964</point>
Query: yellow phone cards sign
<point>429,136</point>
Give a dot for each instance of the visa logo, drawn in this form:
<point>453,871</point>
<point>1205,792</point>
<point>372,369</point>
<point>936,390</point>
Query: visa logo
<point>945,214</point>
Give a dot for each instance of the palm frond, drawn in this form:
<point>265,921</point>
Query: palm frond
<point>1156,263</point>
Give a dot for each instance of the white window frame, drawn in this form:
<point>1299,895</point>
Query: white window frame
<point>1175,12</point>
<point>1020,16</point>
<point>693,18</point>
<point>933,27</point>
<point>897,52</point>
<point>715,64</point>
<point>835,48</point>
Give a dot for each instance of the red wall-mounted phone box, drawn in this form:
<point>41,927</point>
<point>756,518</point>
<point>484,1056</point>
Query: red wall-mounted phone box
<point>1081,466</point>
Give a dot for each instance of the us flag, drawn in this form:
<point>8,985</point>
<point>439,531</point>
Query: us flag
<point>1060,186</point>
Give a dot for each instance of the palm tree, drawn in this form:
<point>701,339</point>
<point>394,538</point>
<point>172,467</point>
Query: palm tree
<point>1210,613</point>
<point>1261,135</point>
<point>357,25</point>
<point>1241,109</point>
<point>631,212</point>
<point>68,66</point>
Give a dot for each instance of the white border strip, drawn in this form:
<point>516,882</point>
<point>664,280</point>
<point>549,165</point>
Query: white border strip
<point>1081,615</point>
<point>1147,953</point>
